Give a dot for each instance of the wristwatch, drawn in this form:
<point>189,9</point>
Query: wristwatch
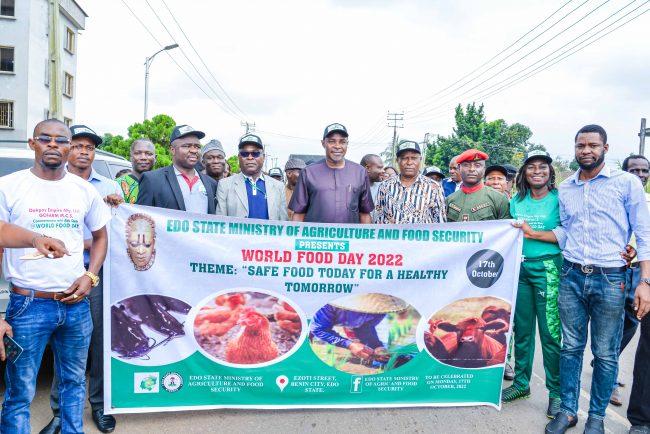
<point>645,280</point>
<point>93,278</point>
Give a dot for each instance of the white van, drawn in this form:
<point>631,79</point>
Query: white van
<point>14,159</point>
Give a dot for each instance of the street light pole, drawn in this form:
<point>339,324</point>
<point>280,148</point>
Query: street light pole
<point>147,64</point>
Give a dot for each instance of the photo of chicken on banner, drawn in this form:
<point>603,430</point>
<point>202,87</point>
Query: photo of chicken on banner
<point>365,333</point>
<point>143,323</point>
<point>247,328</point>
<point>469,333</point>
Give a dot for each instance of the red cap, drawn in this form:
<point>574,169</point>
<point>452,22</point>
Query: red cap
<point>472,155</point>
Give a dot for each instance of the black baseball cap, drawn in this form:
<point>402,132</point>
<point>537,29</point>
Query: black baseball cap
<point>84,131</point>
<point>538,153</point>
<point>407,145</point>
<point>497,167</point>
<point>335,128</point>
<point>433,170</point>
<point>251,139</point>
<point>185,130</point>
<point>512,171</point>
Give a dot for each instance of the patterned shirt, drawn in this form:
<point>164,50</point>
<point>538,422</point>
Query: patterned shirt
<point>421,202</point>
<point>598,217</point>
<point>130,188</point>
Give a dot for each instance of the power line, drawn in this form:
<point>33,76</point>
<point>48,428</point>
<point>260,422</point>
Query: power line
<point>203,62</point>
<point>506,49</point>
<point>513,79</point>
<point>518,60</point>
<point>226,107</point>
<point>169,55</point>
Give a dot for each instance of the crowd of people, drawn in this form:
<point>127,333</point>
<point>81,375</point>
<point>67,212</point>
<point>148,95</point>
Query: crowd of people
<point>586,253</point>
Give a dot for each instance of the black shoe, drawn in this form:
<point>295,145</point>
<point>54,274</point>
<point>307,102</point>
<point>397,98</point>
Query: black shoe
<point>594,426</point>
<point>553,407</point>
<point>54,427</point>
<point>560,424</point>
<point>104,422</point>
<point>508,373</point>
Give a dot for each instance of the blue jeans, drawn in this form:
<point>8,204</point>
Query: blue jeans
<point>35,322</point>
<point>599,298</point>
<point>96,370</point>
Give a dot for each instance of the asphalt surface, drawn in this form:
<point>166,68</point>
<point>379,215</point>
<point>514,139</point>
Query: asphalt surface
<point>523,416</point>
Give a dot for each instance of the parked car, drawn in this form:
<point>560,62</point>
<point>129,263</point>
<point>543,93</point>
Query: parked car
<point>14,159</point>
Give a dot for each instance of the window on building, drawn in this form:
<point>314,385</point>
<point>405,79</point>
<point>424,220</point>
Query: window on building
<point>70,40</point>
<point>8,8</point>
<point>6,114</point>
<point>68,85</point>
<point>7,59</point>
<point>67,121</point>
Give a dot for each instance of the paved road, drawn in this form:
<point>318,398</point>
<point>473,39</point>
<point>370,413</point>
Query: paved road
<point>524,416</point>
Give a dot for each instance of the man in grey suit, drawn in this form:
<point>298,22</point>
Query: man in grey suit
<point>250,194</point>
<point>180,186</point>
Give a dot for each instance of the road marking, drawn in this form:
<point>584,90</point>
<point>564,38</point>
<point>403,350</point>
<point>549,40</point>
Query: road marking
<point>609,412</point>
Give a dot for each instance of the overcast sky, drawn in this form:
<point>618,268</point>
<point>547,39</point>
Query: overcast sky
<point>295,66</point>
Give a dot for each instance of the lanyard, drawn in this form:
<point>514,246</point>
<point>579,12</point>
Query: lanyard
<point>255,188</point>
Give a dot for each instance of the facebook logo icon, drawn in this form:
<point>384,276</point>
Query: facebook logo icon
<point>357,384</point>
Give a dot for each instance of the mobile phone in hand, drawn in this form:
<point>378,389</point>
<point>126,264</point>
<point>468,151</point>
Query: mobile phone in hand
<point>12,349</point>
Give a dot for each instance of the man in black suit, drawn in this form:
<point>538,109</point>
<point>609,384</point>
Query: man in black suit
<point>180,186</point>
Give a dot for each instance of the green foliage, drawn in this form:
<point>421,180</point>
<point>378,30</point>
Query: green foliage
<point>504,143</point>
<point>157,129</point>
<point>233,162</point>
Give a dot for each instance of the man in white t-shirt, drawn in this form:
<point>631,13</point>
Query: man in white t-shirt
<point>48,299</point>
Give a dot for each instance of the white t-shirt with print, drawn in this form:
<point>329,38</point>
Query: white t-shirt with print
<point>59,209</point>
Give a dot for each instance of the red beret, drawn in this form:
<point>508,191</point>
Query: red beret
<point>472,155</point>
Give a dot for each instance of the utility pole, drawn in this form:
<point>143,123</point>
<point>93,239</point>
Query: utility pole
<point>425,145</point>
<point>395,118</point>
<point>643,133</point>
<point>56,105</point>
<point>250,126</point>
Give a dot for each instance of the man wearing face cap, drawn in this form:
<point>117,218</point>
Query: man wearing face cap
<point>276,173</point>
<point>213,158</point>
<point>474,201</point>
<point>333,190</point>
<point>251,194</point>
<point>292,169</point>
<point>180,186</point>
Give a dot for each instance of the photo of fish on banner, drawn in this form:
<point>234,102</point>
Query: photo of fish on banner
<point>247,328</point>
<point>365,334</point>
<point>469,333</point>
<point>143,323</point>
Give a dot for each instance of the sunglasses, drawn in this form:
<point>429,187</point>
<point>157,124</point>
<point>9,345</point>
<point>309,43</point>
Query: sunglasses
<point>246,154</point>
<point>45,140</point>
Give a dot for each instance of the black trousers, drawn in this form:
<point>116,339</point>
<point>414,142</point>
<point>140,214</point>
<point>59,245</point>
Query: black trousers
<point>638,412</point>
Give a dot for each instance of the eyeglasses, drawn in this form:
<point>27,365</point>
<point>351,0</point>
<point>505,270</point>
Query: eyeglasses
<point>247,154</point>
<point>46,140</point>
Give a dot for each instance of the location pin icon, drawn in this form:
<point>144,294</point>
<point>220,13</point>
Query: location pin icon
<point>282,381</point>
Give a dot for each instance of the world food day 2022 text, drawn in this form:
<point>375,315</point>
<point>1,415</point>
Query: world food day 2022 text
<point>317,248</point>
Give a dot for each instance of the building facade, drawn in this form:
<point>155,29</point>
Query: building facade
<point>26,64</point>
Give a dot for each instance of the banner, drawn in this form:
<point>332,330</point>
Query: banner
<point>215,312</point>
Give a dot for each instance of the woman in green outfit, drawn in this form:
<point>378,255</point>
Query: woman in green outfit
<point>536,203</point>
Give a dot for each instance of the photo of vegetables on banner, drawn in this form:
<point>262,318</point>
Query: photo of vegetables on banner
<point>217,312</point>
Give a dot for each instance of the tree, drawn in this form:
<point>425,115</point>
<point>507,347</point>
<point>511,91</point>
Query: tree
<point>158,130</point>
<point>233,162</point>
<point>503,143</point>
